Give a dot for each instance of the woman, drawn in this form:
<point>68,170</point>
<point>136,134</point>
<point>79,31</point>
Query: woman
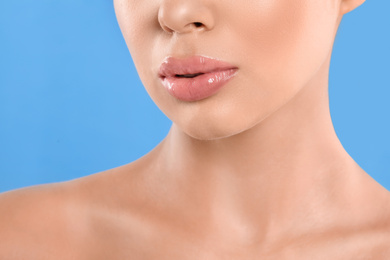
<point>251,168</point>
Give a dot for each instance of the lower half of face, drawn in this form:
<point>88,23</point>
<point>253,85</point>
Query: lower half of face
<point>277,46</point>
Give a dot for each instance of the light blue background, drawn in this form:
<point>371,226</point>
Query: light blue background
<point>71,103</point>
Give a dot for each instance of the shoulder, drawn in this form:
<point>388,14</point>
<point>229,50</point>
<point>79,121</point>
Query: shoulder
<point>52,220</point>
<point>369,223</point>
<point>37,219</point>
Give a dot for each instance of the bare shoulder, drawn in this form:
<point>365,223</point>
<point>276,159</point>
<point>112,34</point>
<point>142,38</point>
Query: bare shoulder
<point>36,220</point>
<point>63,220</point>
<point>369,223</point>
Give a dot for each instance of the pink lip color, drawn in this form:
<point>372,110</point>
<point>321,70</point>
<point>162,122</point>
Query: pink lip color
<point>214,75</point>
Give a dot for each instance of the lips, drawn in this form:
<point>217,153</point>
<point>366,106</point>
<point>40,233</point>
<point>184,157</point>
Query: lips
<point>196,77</point>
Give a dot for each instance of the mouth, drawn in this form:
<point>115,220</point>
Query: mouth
<point>196,77</point>
<point>191,67</point>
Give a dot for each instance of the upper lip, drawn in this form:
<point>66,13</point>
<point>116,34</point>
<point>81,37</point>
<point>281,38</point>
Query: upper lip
<point>191,66</point>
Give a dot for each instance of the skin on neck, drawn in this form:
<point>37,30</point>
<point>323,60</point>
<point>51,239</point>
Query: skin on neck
<point>272,175</point>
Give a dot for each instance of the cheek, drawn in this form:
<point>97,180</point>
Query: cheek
<point>140,29</point>
<point>284,42</point>
<point>139,26</point>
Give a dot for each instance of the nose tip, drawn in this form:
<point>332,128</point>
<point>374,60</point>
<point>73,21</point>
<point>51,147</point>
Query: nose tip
<point>185,16</point>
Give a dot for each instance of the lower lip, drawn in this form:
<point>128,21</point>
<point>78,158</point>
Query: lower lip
<point>199,87</point>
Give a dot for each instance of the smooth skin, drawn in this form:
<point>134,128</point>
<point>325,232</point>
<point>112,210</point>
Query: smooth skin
<point>253,172</point>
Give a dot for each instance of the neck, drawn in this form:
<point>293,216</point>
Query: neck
<point>286,163</point>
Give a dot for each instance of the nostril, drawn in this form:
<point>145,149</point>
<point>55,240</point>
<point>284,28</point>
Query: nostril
<point>197,24</point>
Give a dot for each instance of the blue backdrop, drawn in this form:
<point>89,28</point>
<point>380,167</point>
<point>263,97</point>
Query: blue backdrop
<point>71,102</point>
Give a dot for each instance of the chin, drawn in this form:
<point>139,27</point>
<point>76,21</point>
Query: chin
<point>209,135</point>
<point>215,129</point>
<point>216,119</point>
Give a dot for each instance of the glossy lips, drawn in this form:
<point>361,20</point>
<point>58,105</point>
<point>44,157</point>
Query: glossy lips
<point>194,78</point>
